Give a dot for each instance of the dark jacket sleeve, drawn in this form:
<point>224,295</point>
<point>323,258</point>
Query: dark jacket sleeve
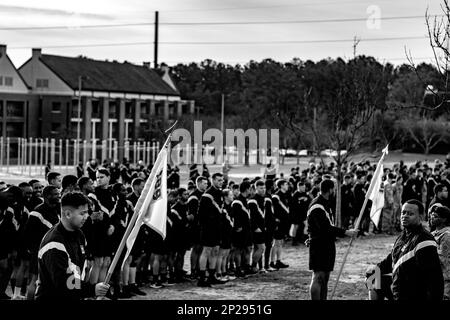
<point>430,268</point>
<point>31,233</point>
<point>255,216</point>
<point>193,207</point>
<point>386,265</point>
<point>203,208</point>
<point>237,215</point>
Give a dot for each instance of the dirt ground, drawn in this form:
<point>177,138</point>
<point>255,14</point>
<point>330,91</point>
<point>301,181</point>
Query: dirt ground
<point>291,283</point>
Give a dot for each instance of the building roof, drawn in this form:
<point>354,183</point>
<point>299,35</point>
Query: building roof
<point>108,76</point>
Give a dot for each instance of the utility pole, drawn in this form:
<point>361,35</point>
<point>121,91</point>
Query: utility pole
<point>356,41</point>
<point>155,54</point>
<point>222,127</point>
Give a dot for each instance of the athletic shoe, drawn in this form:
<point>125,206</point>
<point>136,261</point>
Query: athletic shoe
<point>192,277</point>
<point>170,282</point>
<point>19,297</point>
<point>215,280</point>
<point>281,265</point>
<point>263,270</point>
<point>270,269</point>
<point>203,283</point>
<point>124,293</point>
<point>156,285</point>
<point>241,274</point>
<point>135,289</point>
<point>274,266</point>
<point>230,278</point>
<point>252,271</point>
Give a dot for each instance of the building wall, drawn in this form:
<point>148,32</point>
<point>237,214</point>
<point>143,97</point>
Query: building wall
<point>54,116</point>
<point>13,114</point>
<point>7,69</point>
<point>34,69</point>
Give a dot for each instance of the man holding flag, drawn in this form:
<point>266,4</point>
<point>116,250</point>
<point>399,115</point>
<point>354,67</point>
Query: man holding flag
<point>321,242</point>
<point>377,198</point>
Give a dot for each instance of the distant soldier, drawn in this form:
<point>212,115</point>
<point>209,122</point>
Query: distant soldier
<point>210,217</point>
<point>281,213</point>
<point>41,219</point>
<point>387,218</point>
<point>193,228</point>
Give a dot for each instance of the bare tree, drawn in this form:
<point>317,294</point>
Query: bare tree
<point>339,119</point>
<point>438,27</point>
<point>427,133</point>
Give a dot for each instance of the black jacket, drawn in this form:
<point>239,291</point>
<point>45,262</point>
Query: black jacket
<point>322,235</point>
<point>39,222</point>
<point>256,207</point>
<point>61,261</point>
<point>299,207</point>
<point>280,203</point>
<point>193,204</point>
<point>241,214</point>
<point>415,267</point>
<point>210,209</point>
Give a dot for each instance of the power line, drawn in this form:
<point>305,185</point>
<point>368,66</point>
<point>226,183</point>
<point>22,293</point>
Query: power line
<point>288,21</point>
<point>221,42</point>
<point>78,27</point>
<point>66,27</point>
<point>270,7</point>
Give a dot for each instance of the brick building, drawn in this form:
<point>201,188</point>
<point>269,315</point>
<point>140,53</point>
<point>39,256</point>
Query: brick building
<point>119,101</point>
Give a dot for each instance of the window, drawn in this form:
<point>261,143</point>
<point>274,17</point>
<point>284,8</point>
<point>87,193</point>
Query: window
<point>14,108</point>
<point>128,110</point>
<point>56,106</point>
<point>14,129</point>
<point>112,110</point>
<point>8,81</point>
<point>42,83</point>
<point>75,108</point>
<point>95,109</point>
<point>130,130</point>
<point>1,110</point>
<point>144,110</point>
<point>172,111</point>
<point>159,109</point>
<point>1,80</point>
<point>56,127</point>
<point>184,108</point>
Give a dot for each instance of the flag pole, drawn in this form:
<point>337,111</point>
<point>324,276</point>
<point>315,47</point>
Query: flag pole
<point>133,219</point>
<point>358,221</point>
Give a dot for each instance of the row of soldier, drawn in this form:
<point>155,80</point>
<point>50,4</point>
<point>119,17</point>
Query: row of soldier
<point>231,230</point>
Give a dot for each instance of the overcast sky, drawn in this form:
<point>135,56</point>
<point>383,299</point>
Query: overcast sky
<point>284,29</point>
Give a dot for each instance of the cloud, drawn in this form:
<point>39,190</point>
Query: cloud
<point>51,12</point>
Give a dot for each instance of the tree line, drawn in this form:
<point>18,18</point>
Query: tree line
<point>333,103</point>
